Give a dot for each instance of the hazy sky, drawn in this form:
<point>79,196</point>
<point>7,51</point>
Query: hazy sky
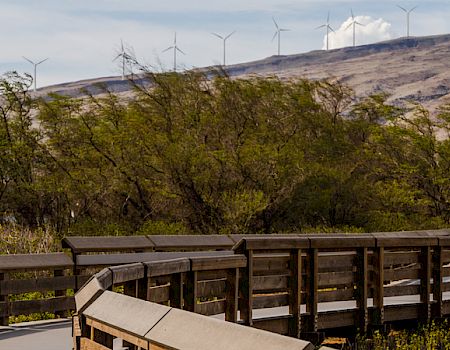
<point>82,37</point>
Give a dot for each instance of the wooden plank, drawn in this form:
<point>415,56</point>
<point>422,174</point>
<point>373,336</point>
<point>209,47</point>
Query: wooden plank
<point>246,288</point>
<point>211,288</point>
<point>19,286</point>
<point>128,272</point>
<point>438,282</point>
<point>4,300</point>
<point>159,294</point>
<point>400,258</point>
<point>425,284</point>
<point>334,279</point>
<point>191,291</point>
<point>312,300</point>
<point>218,263</point>
<point>87,344</point>
<point>25,307</point>
<point>34,262</point>
<point>403,312</point>
<point>336,295</point>
<point>211,275</point>
<point>209,308</point>
<point>295,288</point>
<point>83,244</point>
<point>271,262</point>
<point>176,290</point>
<point>232,295</point>
<point>362,288</point>
<point>167,267</point>
<point>271,244</point>
<point>341,241</point>
<point>271,284</point>
<point>336,262</point>
<point>178,242</point>
<point>337,319</point>
<point>279,325</point>
<point>393,239</point>
<point>262,301</point>
<point>403,273</point>
<point>378,286</point>
<point>400,290</point>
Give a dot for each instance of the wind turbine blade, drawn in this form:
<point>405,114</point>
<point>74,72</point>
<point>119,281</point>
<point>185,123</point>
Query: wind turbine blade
<point>117,57</point>
<point>219,36</point>
<point>230,34</point>
<point>360,24</point>
<point>322,26</point>
<point>402,8</point>
<point>274,35</point>
<point>349,25</point>
<point>169,48</point>
<point>275,22</point>
<point>413,8</point>
<point>42,61</point>
<point>351,11</point>
<point>284,30</point>
<point>329,27</point>
<point>28,60</point>
<point>179,50</point>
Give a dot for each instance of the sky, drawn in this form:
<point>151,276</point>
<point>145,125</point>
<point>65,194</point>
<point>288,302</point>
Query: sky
<point>81,37</point>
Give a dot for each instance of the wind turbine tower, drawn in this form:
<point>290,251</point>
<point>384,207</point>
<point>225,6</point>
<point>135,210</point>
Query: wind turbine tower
<point>125,58</point>
<point>353,24</point>
<point>224,39</point>
<point>175,48</point>
<point>35,64</point>
<point>328,28</point>
<point>278,34</point>
<point>408,12</point>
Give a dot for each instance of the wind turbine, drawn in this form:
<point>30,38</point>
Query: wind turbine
<point>35,64</point>
<point>328,27</point>
<point>278,33</point>
<point>224,43</point>
<point>125,58</point>
<point>354,23</point>
<point>175,48</point>
<point>408,12</point>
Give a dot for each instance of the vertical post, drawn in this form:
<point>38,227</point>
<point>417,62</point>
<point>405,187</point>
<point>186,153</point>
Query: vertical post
<point>312,287</point>
<point>438,263</point>
<point>295,283</point>
<point>378,286</point>
<point>176,290</point>
<point>141,292</point>
<point>4,310</point>
<point>232,295</point>
<point>362,290</point>
<point>191,292</point>
<point>59,293</point>
<point>425,283</point>
<point>130,288</point>
<point>246,291</point>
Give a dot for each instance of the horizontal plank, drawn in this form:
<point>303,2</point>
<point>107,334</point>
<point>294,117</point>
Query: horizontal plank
<point>392,291</point>
<point>167,267</point>
<point>211,275</point>
<point>336,319</point>
<point>178,242</point>
<point>128,272</point>
<point>218,262</point>
<point>87,344</point>
<point>336,295</point>
<point>36,285</point>
<point>335,261</point>
<point>270,263</point>
<point>271,243</point>
<point>332,279</point>
<point>401,274</point>
<point>341,241</point>
<point>262,301</point>
<point>34,262</point>
<point>401,258</point>
<point>403,312</point>
<point>211,288</point>
<point>25,307</point>
<point>159,294</point>
<point>278,325</point>
<point>128,258</point>
<point>80,244</point>
<point>273,283</point>
<point>209,308</point>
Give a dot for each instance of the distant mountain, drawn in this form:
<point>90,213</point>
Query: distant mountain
<point>415,68</point>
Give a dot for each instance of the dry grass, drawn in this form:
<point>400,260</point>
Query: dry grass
<point>15,239</point>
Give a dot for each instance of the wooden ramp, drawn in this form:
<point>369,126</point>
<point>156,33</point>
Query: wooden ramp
<point>152,326</point>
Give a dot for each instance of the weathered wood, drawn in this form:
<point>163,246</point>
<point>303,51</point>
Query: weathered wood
<point>4,298</point>
<point>278,243</point>
<point>334,279</point>
<point>262,301</point>
<point>400,290</point>
<point>209,308</point>
<point>295,288</point>
<point>185,242</point>
<point>403,273</point>
<point>246,290</point>
<point>60,292</point>
<point>336,295</point>
<point>159,294</point>
<point>402,312</point>
<point>341,241</point>
<point>167,267</point>
<point>425,284</point>
<point>220,262</point>
<point>87,344</point>
<point>25,307</point>
<point>128,272</point>
<point>107,243</point>
<point>337,319</point>
<point>336,262</point>
<point>34,262</point>
<point>19,286</point>
<point>438,282</point>
<point>232,295</point>
<point>400,258</point>
<point>312,290</point>
<point>362,288</point>
<point>378,287</point>
<point>102,338</point>
<point>270,284</point>
<point>279,325</point>
<point>191,291</point>
<point>404,239</point>
<point>176,290</point>
<point>211,288</point>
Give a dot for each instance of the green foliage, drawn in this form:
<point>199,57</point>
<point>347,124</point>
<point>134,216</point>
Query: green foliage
<point>191,153</point>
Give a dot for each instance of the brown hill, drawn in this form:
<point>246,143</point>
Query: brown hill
<point>415,68</point>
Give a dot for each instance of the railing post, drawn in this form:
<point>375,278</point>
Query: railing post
<point>362,291</point>
<point>295,283</point>
<point>4,310</point>
<point>438,311</point>
<point>246,290</point>
<point>312,287</point>
<point>130,288</point>
<point>232,295</point>
<point>425,283</point>
<point>59,293</point>
<point>176,290</point>
<point>378,287</point>
<point>191,291</point>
